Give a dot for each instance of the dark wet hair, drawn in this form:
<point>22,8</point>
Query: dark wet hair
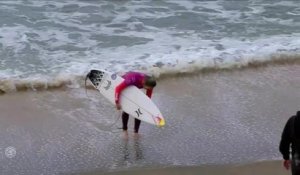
<point>298,113</point>
<point>150,81</point>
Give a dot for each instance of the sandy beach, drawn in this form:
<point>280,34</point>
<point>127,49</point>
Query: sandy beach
<point>259,168</point>
<point>227,122</point>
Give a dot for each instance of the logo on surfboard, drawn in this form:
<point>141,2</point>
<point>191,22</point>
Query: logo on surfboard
<point>113,76</point>
<point>108,85</point>
<point>138,112</point>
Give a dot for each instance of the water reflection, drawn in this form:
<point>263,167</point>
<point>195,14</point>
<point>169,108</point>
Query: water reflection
<point>137,149</point>
<point>132,151</point>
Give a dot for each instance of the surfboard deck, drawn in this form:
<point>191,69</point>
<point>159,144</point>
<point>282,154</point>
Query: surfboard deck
<point>132,100</point>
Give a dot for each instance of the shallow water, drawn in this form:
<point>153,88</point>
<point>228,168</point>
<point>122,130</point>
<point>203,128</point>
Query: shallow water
<point>219,118</point>
<point>49,43</point>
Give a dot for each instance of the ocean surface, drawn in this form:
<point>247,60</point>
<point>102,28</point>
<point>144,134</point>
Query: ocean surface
<point>46,44</point>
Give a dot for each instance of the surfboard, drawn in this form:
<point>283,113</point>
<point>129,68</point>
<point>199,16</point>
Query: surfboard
<point>132,100</point>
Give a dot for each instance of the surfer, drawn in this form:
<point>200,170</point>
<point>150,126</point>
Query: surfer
<point>139,80</point>
<point>291,136</point>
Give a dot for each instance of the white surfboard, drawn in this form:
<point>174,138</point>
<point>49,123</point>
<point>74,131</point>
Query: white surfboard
<point>132,100</point>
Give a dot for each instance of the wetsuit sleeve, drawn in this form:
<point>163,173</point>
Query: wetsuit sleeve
<point>286,140</point>
<point>149,93</point>
<point>118,91</point>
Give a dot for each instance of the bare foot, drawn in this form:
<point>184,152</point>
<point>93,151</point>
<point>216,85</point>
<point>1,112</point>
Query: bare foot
<point>125,134</point>
<point>136,135</point>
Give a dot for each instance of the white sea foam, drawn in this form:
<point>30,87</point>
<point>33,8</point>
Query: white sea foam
<point>43,40</point>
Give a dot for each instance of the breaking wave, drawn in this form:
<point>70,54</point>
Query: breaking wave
<point>159,70</point>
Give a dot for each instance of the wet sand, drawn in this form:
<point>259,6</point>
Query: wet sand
<point>231,118</point>
<point>259,168</point>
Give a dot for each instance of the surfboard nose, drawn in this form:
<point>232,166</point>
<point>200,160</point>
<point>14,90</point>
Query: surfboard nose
<point>160,121</point>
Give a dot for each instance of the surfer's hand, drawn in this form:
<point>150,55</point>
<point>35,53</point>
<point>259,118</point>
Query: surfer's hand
<point>118,106</point>
<point>286,164</point>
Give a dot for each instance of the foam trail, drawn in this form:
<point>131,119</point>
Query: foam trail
<point>213,66</point>
<point>68,80</point>
<point>42,83</point>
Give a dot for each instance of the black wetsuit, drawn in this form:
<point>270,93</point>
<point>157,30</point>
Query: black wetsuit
<point>291,139</point>
<point>125,118</point>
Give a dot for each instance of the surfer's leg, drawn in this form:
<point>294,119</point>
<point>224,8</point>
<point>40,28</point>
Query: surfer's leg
<point>295,165</point>
<point>125,118</point>
<point>137,124</point>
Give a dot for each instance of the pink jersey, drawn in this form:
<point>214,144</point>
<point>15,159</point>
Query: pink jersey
<point>131,78</point>
<point>134,78</point>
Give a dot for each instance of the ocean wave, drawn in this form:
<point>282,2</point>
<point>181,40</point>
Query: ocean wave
<point>159,70</point>
<point>9,85</point>
<point>219,64</point>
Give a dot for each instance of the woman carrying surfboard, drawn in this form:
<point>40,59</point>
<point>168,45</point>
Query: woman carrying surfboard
<point>139,80</point>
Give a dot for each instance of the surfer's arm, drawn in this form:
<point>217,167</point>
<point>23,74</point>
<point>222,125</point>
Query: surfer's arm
<point>286,140</point>
<point>118,91</point>
<point>149,93</point>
